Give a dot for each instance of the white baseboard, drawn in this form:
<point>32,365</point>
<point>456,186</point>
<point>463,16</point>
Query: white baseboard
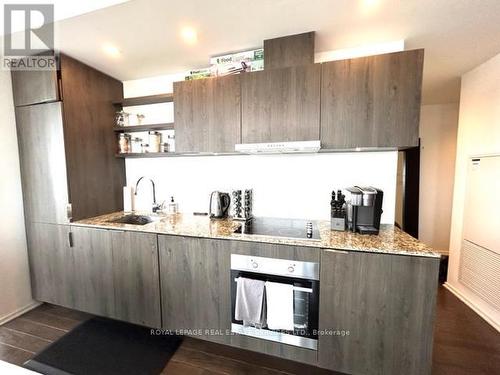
<point>30,306</point>
<point>465,300</point>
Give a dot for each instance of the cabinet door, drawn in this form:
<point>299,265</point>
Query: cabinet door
<point>34,86</point>
<point>281,104</point>
<point>135,278</point>
<point>387,303</point>
<point>51,269</point>
<point>95,176</point>
<point>372,101</point>
<point>195,287</point>
<point>207,115</point>
<point>92,258</point>
<point>42,160</point>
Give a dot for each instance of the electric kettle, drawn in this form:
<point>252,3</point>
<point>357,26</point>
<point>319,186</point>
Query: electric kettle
<point>219,204</point>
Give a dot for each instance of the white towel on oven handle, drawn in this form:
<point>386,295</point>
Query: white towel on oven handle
<point>250,304</point>
<point>279,301</point>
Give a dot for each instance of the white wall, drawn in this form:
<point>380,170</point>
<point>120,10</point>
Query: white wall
<point>15,290</point>
<point>478,133</point>
<point>438,137</point>
<point>284,185</point>
<point>297,186</point>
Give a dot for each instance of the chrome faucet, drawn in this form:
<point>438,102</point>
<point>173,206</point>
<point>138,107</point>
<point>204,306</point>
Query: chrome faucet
<point>155,207</point>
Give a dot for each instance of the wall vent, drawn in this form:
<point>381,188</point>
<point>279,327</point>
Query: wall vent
<point>480,272</point>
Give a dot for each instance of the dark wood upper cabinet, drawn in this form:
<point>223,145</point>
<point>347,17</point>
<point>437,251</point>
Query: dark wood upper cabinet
<point>368,102</point>
<point>66,148</point>
<point>207,114</point>
<point>95,177</point>
<point>43,163</point>
<point>372,101</point>
<point>34,87</point>
<point>281,104</point>
<point>291,50</point>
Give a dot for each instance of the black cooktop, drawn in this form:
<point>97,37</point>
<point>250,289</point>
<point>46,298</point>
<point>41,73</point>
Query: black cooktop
<point>277,227</point>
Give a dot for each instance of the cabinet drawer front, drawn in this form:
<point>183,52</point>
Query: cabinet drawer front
<point>277,251</point>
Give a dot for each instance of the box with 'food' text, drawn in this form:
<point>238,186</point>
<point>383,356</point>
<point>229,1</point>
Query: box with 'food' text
<point>246,61</point>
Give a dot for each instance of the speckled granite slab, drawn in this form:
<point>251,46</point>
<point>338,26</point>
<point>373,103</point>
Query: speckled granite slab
<point>390,240</point>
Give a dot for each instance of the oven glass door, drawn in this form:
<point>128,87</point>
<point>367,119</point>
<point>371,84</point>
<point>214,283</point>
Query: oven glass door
<point>305,302</point>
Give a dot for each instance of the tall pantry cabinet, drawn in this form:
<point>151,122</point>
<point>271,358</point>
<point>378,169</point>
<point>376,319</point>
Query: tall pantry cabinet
<point>66,150</point>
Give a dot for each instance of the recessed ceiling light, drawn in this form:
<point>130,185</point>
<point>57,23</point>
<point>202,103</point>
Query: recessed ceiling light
<point>111,50</point>
<point>189,35</point>
<point>368,5</point>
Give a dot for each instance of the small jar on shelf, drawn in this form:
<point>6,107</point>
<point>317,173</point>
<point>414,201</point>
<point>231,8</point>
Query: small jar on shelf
<point>136,147</point>
<point>165,147</point>
<point>154,141</point>
<point>122,118</point>
<point>124,143</point>
<point>140,118</point>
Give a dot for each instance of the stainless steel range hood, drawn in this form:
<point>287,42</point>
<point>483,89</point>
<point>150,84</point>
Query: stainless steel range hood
<point>278,147</point>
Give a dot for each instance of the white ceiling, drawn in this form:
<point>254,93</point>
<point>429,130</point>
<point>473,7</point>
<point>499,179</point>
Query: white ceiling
<point>456,34</point>
<point>63,9</point>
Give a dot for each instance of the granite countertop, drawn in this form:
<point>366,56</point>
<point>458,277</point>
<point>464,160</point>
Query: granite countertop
<point>390,240</point>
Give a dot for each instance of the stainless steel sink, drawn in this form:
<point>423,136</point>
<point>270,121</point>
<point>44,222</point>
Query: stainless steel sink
<point>133,219</point>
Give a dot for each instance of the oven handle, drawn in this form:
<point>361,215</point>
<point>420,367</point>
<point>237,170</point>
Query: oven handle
<point>295,288</point>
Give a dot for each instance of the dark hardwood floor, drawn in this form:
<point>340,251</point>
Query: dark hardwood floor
<point>463,344</point>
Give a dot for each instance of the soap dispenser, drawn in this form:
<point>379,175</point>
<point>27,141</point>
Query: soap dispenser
<point>173,208</point>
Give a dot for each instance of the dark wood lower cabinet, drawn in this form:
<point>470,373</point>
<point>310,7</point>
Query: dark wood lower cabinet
<point>195,285</point>
<point>196,290</point>
<point>91,254</point>
<point>50,263</point>
<point>387,303</point>
<point>103,272</point>
<point>196,282</point>
<point>135,278</point>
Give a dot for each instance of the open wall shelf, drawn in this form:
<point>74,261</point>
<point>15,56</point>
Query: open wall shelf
<point>148,155</point>
<point>144,100</point>
<point>144,128</point>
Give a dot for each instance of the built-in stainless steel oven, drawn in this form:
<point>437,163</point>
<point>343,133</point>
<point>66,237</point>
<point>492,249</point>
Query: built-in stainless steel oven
<point>304,276</point>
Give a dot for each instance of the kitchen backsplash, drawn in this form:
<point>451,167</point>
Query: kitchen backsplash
<point>296,186</point>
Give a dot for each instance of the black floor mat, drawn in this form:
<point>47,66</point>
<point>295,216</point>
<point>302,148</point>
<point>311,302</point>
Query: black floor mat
<point>106,347</point>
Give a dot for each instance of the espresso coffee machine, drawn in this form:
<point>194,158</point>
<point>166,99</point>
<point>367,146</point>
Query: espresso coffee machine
<point>364,209</point>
